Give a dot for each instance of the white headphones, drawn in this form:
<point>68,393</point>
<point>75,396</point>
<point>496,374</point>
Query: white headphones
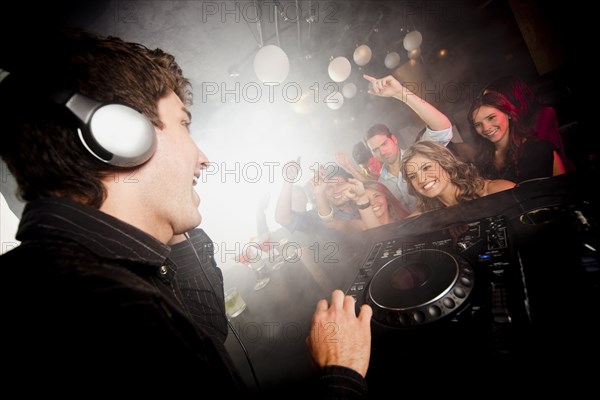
<point>113,133</point>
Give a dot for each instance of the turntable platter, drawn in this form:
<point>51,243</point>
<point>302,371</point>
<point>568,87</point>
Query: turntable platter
<point>419,287</point>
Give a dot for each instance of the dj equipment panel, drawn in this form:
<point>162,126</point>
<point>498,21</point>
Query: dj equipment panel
<point>430,278</point>
<point>500,285</point>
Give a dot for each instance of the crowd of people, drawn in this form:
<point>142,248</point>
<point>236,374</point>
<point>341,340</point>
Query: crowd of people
<point>515,139</point>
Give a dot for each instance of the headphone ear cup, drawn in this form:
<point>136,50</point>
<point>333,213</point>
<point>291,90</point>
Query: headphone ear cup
<point>114,133</point>
<point>124,133</point>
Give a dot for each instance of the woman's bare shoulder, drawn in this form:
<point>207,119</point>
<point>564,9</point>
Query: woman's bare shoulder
<point>498,185</point>
<point>414,213</point>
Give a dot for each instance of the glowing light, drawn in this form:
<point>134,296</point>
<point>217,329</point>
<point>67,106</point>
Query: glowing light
<point>335,101</point>
<point>339,69</point>
<point>362,55</point>
<point>392,60</point>
<point>305,105</point>
<point>415,53</point>
<point>271,65</point>
<point>349,90</point>
<point>413,40</point>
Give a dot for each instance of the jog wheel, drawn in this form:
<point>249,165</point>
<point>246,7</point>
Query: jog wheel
<point>420,287</point>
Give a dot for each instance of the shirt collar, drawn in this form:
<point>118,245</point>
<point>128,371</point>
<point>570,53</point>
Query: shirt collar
<point>385,174</point>
<point>102,234</point>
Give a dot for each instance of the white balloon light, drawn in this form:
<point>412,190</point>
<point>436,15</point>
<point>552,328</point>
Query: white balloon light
<point>339,69</point>
<point>334,100</point>
<point>414,53</point>
<point>349,90</point>
<point>271,64</point>
<point>413,40</point>
<point>392,60</point>
<point>362,55</point>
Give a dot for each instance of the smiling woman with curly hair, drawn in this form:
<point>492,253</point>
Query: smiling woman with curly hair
<point>438,179</point>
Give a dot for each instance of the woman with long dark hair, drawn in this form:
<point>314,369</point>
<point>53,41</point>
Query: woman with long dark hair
<point>506,147</point>
<point>539,117</point>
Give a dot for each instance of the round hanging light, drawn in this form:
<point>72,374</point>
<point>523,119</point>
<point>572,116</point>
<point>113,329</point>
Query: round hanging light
<point>339,69</point>
<point>271,65</point>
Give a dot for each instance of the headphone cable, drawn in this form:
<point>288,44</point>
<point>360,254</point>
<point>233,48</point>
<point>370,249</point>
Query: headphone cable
<point>246,354</point>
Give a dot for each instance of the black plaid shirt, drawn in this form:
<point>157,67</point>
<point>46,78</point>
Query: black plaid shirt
<point>201,283</point>
<point>91,302</point>
<point>89,297</point>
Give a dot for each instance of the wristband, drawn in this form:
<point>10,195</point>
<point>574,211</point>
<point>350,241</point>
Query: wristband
<point>364,206</point>
<point>326,218</point>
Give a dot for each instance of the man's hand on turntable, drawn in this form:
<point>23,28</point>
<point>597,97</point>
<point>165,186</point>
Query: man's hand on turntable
<point>338,336</point>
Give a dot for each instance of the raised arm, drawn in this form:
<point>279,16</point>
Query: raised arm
<point>342,159</point>
<point>390,87</point>
<point>325,209</point>
<point>356,192</point>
